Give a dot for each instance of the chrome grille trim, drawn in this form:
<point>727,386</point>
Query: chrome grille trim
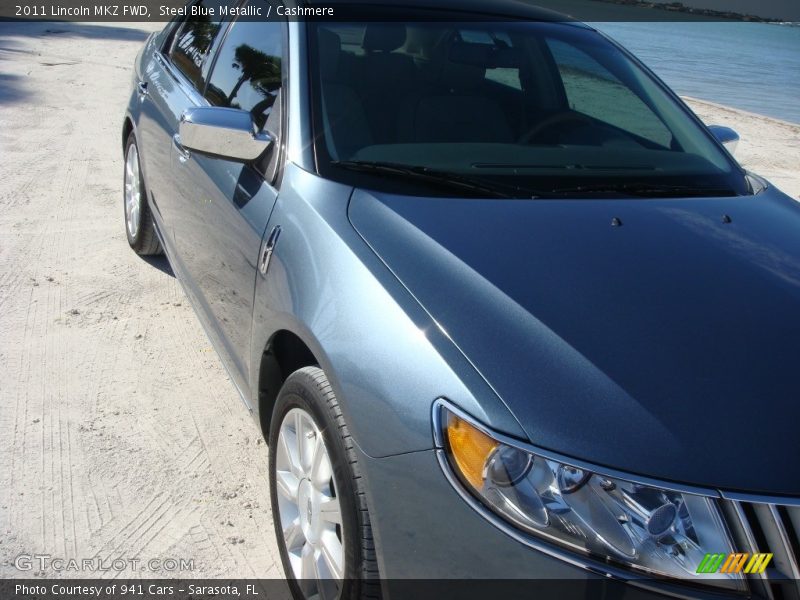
<point>794,518</point>
<point>787,549</point>
<point>774,527</point>
<point>743,538</point>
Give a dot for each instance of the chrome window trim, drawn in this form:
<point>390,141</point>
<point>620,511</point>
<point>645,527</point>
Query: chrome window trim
<point>299,141</point>
<point>208,67</point>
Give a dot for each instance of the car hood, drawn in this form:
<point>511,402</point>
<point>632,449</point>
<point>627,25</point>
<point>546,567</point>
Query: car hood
<point>660,336</point>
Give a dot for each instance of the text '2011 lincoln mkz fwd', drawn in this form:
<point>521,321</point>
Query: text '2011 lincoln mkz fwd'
<point>502,304</point>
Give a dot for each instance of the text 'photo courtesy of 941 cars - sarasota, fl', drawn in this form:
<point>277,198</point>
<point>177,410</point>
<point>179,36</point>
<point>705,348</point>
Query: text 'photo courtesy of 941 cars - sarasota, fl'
<point>502,305</point>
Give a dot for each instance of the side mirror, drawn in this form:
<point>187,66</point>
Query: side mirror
<point>726,136</point>
<point>225,132</point>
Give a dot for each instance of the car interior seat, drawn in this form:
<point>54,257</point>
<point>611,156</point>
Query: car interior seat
<point>385,77</point>
<point>346,126</point>
<point>453,107</point>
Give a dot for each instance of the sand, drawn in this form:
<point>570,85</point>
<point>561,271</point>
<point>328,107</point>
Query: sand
<point>120,434</point>
<point>767,146</point>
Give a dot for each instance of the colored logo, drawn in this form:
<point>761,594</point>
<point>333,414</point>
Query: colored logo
<point>736,562</point>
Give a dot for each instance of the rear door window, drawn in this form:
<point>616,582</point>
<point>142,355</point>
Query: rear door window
<point>193,42</point>
<point>247,73</point>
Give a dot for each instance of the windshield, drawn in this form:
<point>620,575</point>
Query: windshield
<point>529,109</point>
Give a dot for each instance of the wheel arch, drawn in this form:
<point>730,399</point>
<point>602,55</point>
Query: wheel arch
<point>127,128</point>
<point>284,353</point>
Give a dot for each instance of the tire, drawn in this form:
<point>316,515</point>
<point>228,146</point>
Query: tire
<point>307,403</point>
<point>139,227</point>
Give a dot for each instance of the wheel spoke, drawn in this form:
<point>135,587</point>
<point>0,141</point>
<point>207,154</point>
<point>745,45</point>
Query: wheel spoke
<point>134,219</point>
<point>287,453</point>
<point>326,586</point>
<point>308,567</point>
<point>330,511</point>
<point>293,535</point>
<point>318,573</point>
<point>300,432</point>
<point>331,551</point>
<point>321,470</point>
<point>288,485</point>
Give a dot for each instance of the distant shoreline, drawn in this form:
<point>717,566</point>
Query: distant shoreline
<point>679,7</point>
<point>740,111</point>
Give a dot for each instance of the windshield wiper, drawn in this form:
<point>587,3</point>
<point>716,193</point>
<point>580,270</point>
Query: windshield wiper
<point>479,187</point>
<point>645,189</point>
<point>426,175</point>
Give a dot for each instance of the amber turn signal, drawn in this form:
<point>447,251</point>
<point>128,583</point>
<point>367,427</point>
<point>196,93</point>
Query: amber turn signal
<point>469,448</point>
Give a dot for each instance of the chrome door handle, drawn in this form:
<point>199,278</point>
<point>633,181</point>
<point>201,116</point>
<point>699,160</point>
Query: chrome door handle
<point>142,88</point>
<point>269,247</point>
<point>183,153</point>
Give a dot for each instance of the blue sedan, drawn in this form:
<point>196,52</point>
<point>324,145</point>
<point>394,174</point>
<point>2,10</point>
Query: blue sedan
<point>502,305</point>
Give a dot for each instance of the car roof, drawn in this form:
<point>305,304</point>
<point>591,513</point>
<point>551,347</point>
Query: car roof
<point>516,9</point>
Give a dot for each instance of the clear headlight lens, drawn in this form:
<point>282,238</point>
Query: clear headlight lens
<point>656,531</point>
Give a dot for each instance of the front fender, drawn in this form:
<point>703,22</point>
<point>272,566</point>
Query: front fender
<point>386,359</point>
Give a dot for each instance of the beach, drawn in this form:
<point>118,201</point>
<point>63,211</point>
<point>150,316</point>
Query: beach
<point>767,146</point>
<point>120,433</point>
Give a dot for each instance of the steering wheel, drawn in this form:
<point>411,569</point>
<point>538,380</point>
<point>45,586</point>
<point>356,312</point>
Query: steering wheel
<point>559,118</point>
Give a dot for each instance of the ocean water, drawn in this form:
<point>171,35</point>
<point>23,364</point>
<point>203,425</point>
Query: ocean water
<point>751,66</point>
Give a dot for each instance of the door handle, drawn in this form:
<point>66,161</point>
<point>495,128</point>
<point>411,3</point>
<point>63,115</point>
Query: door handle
<point>269,247</point>
<point>141,86</point>
<point>183,153</point>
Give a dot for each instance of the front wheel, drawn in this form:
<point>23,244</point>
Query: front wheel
<point>318,504</point>
<point>139,225</point>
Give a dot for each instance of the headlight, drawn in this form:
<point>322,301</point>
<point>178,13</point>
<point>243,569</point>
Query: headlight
<point>655,531</point>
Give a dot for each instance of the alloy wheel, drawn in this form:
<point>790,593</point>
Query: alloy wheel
<point>308,503</point>
<point>133,191</point>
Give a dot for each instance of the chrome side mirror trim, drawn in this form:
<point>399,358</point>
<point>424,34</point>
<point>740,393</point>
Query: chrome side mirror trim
<point>225,132</point>
<point>726,136</point>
